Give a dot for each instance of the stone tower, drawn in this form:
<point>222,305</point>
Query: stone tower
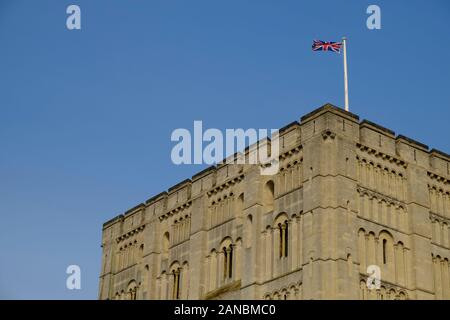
<point>349,194</point>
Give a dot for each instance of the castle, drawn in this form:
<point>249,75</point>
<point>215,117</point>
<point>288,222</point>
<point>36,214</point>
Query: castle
<point>349,194</point>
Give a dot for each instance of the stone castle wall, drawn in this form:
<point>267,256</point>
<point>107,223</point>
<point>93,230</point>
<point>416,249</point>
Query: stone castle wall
<point>349,194</point>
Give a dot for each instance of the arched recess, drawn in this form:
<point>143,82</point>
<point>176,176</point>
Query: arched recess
<point>400,263</point>
<point>402,296</point>
<point>146,286</point>
<point>362,254</point>
<point>132,289</point>
<point>402,218</point>
<point>371,249</point>
<point>184,281</point>
<point>212,270</point>
<point>162,285</point>
<point>268,252</point>
<point>240,206</point>
<point>445,235</point>
<point>349,265</point>
<point>248,231</point>
<point>268,195</point>
<point>165,245</point>
<point>237,248</point>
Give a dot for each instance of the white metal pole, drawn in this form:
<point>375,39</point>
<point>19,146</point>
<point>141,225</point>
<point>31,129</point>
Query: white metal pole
<point>344,44</point>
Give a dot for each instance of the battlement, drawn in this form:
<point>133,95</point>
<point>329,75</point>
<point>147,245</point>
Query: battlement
<point>328,118</point>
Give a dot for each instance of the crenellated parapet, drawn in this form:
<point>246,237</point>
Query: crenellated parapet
<point>348,194</point>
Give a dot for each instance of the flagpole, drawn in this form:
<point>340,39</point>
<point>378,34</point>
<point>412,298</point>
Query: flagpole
<point>344,43</point>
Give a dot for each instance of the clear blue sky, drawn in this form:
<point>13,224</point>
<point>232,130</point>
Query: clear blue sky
<point>86,116</point>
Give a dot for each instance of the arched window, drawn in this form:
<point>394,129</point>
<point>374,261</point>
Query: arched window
<point>227,251</point>
<point>176,275</point>
<point>387,247</point>
<point>281,223</point>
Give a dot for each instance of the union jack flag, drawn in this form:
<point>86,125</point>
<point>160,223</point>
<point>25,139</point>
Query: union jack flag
<point>319,45</point>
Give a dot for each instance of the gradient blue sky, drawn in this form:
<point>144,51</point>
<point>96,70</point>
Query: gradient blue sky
<point>86,116</point>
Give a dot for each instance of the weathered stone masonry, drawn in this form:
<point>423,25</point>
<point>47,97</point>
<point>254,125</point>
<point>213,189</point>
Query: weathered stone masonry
<point>348,194</point>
